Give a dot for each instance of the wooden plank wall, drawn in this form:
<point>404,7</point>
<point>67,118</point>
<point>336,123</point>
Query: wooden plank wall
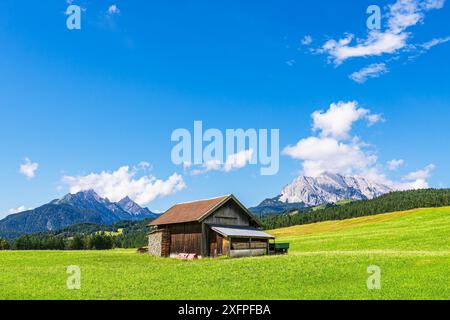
<point>229,214</point>
<point>185,238</point>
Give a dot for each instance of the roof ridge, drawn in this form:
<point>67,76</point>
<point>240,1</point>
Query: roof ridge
<point>201,200</point>
<point>197,211</point>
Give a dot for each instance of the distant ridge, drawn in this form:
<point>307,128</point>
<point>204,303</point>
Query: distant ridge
<point>82,207</point>
<point>387,203</point>
<point>327,188</point>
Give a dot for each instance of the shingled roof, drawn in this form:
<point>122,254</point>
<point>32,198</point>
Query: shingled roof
<point>194,211</point>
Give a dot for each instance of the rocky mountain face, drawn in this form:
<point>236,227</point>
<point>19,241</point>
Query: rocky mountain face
<point>133,208</point>
<point>327,188</point>
<point>330,188</point>
<point>82,207</point>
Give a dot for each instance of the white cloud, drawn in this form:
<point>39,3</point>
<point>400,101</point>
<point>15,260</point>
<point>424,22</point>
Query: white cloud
<point>290,63</point>
<point>434,4</point>
<point>144,165</point>
<point>113,9</point>
<point>374,118</point>
<point>307,40</point>
<point>411,181</point>
<point>238,160</point>
<point>412,185</point>
<point>422,174</point>
<point>434,42</point>
<point>376,175</point>
<point>376,44</point>
<point>212,165</point>
<point>402,15</point>
<point>234,161</point>
<point>29,168</point>
<point>338,120</point>
<point>371,71</point>
<point>420,49</point>
<point>394,164</point>
<point>19,209</point>
<point>416,179</point>
<point>125,182</point>
<point>334,149</point>
<point>320,154</point>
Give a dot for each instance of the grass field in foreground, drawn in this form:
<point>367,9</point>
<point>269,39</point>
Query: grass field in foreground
<point>328,260</point>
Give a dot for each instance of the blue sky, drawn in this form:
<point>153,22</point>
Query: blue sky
<point>76,102</point>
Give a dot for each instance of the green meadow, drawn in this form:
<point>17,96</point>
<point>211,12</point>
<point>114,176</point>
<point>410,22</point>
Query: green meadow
<point>327,260</point>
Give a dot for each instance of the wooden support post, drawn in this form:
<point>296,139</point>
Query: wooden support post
<point>204,244</point>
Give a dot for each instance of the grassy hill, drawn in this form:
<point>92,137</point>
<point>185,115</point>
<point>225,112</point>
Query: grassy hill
<point>413,230</point>
<point>394,201</point>
<point>328,260</point>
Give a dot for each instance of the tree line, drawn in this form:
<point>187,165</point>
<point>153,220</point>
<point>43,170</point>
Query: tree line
<point>391,202</point>
<point>99,241</point>
<point>85,236</point>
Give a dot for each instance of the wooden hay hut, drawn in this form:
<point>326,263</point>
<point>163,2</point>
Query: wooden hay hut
<point>208,228</point>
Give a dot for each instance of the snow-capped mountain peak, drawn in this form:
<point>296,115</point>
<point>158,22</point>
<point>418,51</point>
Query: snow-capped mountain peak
<point>330,188</point>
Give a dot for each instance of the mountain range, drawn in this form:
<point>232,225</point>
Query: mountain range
<point>327,188</point>
<point>89,207</point>
<point>82,207</point>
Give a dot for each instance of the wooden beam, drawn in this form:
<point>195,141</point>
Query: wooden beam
<point>204,244</point>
